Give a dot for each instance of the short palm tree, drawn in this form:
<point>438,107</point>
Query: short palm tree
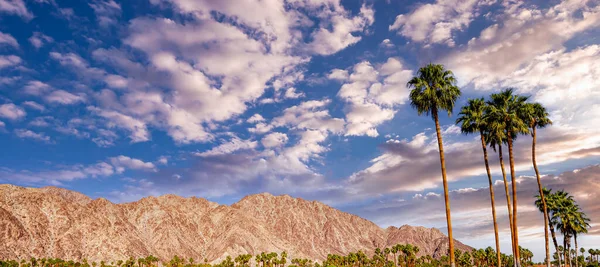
<point>536,116</point>
<point>507,109</point>
<point>580,226</point>
<point>472,120</point>
<point>551,206</point>
<point>570,220</point>
<point>435,90</point>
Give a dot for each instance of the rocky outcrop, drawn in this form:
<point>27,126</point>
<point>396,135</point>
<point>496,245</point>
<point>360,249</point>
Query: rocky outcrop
<point>55,222</point>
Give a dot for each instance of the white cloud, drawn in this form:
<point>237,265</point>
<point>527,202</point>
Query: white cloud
<point>12,111</point>
<point>9,80</point>
<point>235,144</point>
<point>36,88</point>
<point>34,105</point>
<point>63,97</point>
<point>311,115</point>
<point>523,34</point>
<point>327,42</point>
<point>28,134</point>
<point>212,68</point>
<point>260,128</point>
<point>106,11</point>
<point>274,140</point>
<point>57,177</point>
<point>16,7</point>
<point>39,39</point>
<point>526,49</point>
<point>255,118</point>
<point>122,163</point>
<point>188,78</point>
<point>138,132</point>
<point>80,65</point>
<point>8,61</point>
<point>163,160</point>
<point>393,170</point>
<point>42,121</point>
<point>566,83</point>
<point>338,74</point>
<point>7,39</point>
<point>387,43</point>
<point>116,81</point>
<point>436,22</point>
<point>110,167</point>
<point>372,94</point>
<point>292,94</point>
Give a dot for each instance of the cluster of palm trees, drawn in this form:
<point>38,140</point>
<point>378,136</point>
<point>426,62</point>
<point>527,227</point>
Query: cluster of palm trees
<point>498,121</point>
<point>580,260</point>
<point>400,255</point>
<point>594,255</point>
<point>271,259</point>
<point>564,214</point>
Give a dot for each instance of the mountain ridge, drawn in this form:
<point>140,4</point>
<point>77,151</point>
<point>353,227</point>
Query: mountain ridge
<point>57,222</point>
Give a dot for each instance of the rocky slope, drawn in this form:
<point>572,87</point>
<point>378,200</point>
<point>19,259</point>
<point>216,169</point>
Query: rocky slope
<point>54,222</point>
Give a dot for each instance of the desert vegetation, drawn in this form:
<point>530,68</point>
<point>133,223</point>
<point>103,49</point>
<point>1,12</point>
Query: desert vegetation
<point>400,255</point>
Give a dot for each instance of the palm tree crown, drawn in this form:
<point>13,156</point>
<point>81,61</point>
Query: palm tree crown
<point>535,116</point>
<point>507,110</point>
<point>471,117</point>
<point>434,89</point>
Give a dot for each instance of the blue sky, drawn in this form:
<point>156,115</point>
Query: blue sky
<point>220,99</point>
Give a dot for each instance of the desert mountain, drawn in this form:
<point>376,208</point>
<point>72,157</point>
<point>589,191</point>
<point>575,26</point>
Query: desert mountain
<point>55,222</point>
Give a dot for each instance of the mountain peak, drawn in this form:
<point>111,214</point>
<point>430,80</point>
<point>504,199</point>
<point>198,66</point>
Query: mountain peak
<point>61,226</point>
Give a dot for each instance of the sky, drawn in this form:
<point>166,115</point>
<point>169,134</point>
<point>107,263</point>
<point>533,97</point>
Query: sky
<point>221,99</point>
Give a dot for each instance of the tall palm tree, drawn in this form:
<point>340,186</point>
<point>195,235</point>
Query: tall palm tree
<point>434,90</point>
<point>507,108</point>
<point>551,205</point>
<point>496,137</point>
<point>472,120</point>
<point>536,116</point>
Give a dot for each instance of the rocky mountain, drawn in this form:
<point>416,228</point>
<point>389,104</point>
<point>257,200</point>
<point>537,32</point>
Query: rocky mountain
<point>55,222</point>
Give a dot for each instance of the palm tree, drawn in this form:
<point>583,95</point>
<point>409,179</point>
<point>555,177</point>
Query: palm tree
<point>536,116</point>
<point>564,220</point>
<point>580,226</point>
<point>551,206</point>
<point>593,253</point>
<point>472,120</point>
<point>507,108</point>
<point>570,220</point>
<point>496,137</point>
<point>434,90</point>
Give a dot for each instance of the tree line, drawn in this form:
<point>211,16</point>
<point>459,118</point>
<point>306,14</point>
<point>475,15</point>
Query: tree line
<point>400,255</point>
<point>498,121</point>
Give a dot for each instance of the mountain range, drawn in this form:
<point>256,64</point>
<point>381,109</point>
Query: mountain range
<point>59,223</point>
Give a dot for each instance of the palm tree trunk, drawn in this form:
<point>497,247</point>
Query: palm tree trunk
<point>492,198</point>
<point>576,250</point>
<point>508,201</point>
<point>539,182</point>
<point>554,239</point>
<point>513,177</point>
<point>445,182</point>
<point>569,251</point>
<point>565,250</point>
